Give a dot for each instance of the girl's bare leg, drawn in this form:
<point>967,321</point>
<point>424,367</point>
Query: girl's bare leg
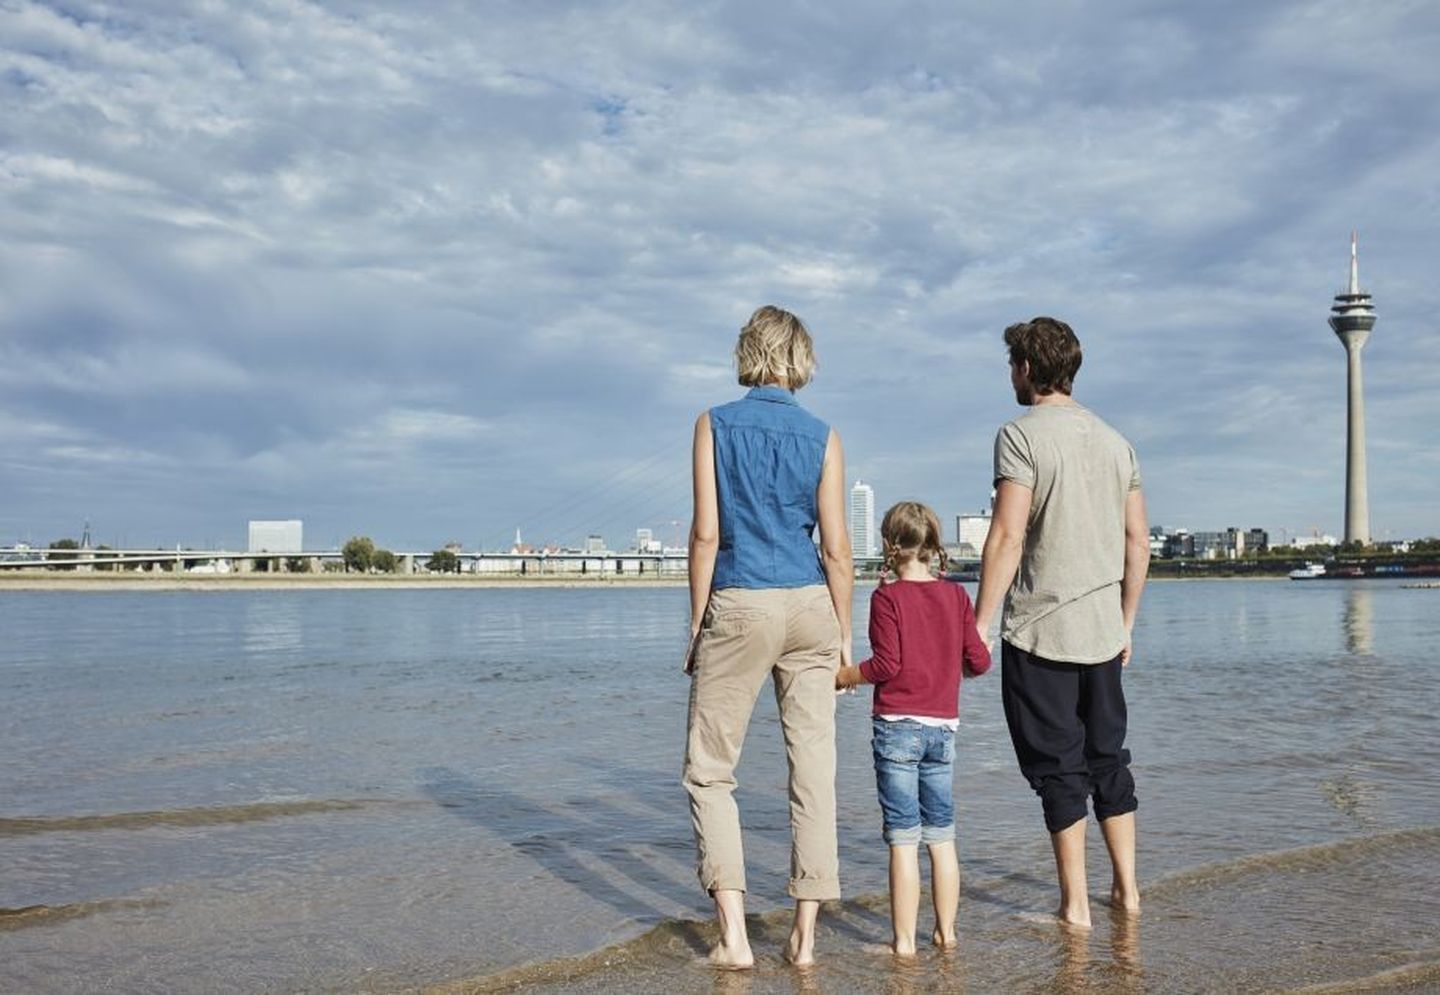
<point>904,896</point>
<point>945,890</point>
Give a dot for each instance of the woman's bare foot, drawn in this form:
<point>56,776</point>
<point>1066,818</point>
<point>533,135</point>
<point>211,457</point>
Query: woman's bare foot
<point>944,942</point>
<point>731,958</point>
<point>903,947</point>
<point>732,952</point>
<point>800,949</point>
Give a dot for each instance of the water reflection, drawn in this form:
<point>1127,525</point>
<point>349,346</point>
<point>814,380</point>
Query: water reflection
<point>1359,620</point>
<point>1125,951</point>
<point>272,625</point>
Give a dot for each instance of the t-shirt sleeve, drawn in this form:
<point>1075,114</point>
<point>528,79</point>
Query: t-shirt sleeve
<point>1013,459</point>
<point>1134,469</point>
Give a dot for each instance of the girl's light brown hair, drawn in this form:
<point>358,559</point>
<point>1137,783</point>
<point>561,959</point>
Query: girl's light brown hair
<point>774,348</point>
<point>911,531</point>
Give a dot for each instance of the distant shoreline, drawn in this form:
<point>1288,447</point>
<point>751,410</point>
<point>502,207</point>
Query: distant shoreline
<point>67,581</point>
<point>130,581</point>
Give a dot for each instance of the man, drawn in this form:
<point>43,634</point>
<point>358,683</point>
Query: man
<point>1069,543</point>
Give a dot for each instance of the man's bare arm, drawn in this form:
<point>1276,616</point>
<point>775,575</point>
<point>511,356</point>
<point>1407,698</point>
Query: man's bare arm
<point>1003,546</point>
<point>1137,564</point>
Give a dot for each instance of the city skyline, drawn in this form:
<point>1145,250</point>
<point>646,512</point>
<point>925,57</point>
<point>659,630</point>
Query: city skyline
<point>437,272</point>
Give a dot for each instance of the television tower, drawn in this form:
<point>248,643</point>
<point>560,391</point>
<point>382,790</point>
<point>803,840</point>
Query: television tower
<point>1352,316</point>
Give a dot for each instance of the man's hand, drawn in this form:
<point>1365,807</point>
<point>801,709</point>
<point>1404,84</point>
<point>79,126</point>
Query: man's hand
<point>1125,653</point>
<point>848,677</point>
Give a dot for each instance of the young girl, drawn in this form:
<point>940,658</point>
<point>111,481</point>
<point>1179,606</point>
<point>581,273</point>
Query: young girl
<point>922,634</point>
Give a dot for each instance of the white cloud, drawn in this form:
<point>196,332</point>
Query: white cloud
<point>507,249</point>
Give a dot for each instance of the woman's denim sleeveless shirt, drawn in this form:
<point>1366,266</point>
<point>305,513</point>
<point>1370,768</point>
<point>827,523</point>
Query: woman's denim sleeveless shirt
<point>768,455</point>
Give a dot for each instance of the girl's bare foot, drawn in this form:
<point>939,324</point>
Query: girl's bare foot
<point>1076,917</point>
<point>942,941</point>
<point>1123,900</point>
<point>903,948</point>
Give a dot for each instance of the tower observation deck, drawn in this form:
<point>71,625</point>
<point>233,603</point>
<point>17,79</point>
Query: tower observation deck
<point>1352,316</point>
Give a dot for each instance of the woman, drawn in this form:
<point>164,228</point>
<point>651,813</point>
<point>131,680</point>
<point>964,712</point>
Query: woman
<point>764,601</point>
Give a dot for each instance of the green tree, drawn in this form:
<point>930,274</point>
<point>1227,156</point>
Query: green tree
<point>359,553</point>
<point>104,564</point>
<point>297,564</point>
<point>443,561</point>
<point>64,544</point>
<point>385,561</point>
<point>1427,545</point>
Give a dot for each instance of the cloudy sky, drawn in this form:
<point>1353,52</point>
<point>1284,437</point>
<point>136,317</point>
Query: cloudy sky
<point>436,271</point>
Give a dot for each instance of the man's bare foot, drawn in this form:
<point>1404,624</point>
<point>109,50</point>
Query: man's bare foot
<point>1125,901</point>
<point>731,958</point>
<point>944,942</point>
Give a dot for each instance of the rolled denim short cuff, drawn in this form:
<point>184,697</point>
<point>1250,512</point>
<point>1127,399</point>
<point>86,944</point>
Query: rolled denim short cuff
<point>909,836</point>
<point>937,834</point>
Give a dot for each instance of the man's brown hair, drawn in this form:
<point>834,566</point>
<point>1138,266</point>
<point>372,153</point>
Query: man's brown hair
<point>1052,350</point>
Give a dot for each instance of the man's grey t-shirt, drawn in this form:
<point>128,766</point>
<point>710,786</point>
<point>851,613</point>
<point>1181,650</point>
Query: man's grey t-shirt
<point>1065,602</point>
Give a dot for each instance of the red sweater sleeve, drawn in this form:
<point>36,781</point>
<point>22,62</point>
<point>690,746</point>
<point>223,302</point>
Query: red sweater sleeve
<point>976,654</point>
<point>884,662</point>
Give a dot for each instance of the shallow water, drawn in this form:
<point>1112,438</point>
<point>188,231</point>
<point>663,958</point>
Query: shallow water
<point>375,790</point>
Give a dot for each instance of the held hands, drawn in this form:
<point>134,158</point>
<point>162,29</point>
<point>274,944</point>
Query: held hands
<point>848,678</point>
<point>844,680</point>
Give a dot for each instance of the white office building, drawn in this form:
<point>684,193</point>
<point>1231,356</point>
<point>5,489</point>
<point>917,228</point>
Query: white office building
<point>276,536</point>
<point>862,520</point>
<point>970,532</point>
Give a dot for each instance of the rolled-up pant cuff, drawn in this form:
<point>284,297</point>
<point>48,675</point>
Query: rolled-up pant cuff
<point>815,889</point>
<point>937,834</point>
<point>903,835</point>
<point>722,882</point>
<point>1103,812</point>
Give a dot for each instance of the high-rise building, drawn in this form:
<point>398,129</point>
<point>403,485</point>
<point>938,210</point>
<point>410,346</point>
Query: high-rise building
<point>1352,316</point>
<point>862,519</point>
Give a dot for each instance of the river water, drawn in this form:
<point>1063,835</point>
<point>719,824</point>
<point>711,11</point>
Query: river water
<point>471,790</point>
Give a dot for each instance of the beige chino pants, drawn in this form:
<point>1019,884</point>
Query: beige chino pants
<point>790,634</point>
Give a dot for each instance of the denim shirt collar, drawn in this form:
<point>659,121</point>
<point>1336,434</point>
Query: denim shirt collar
<point>771,392</point>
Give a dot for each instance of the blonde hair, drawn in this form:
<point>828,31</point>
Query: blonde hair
<point>774,347</point>
<point>910,530</point>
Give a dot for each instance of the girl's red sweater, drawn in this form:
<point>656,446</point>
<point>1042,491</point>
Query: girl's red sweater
<point>922,635</point>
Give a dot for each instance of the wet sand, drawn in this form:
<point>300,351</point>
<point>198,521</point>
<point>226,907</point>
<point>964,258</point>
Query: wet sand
<point>1282,921</point>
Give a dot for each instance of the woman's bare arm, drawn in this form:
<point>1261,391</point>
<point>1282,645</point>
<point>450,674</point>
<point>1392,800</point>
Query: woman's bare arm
<point>835,553</point>
<point>704,529</point>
